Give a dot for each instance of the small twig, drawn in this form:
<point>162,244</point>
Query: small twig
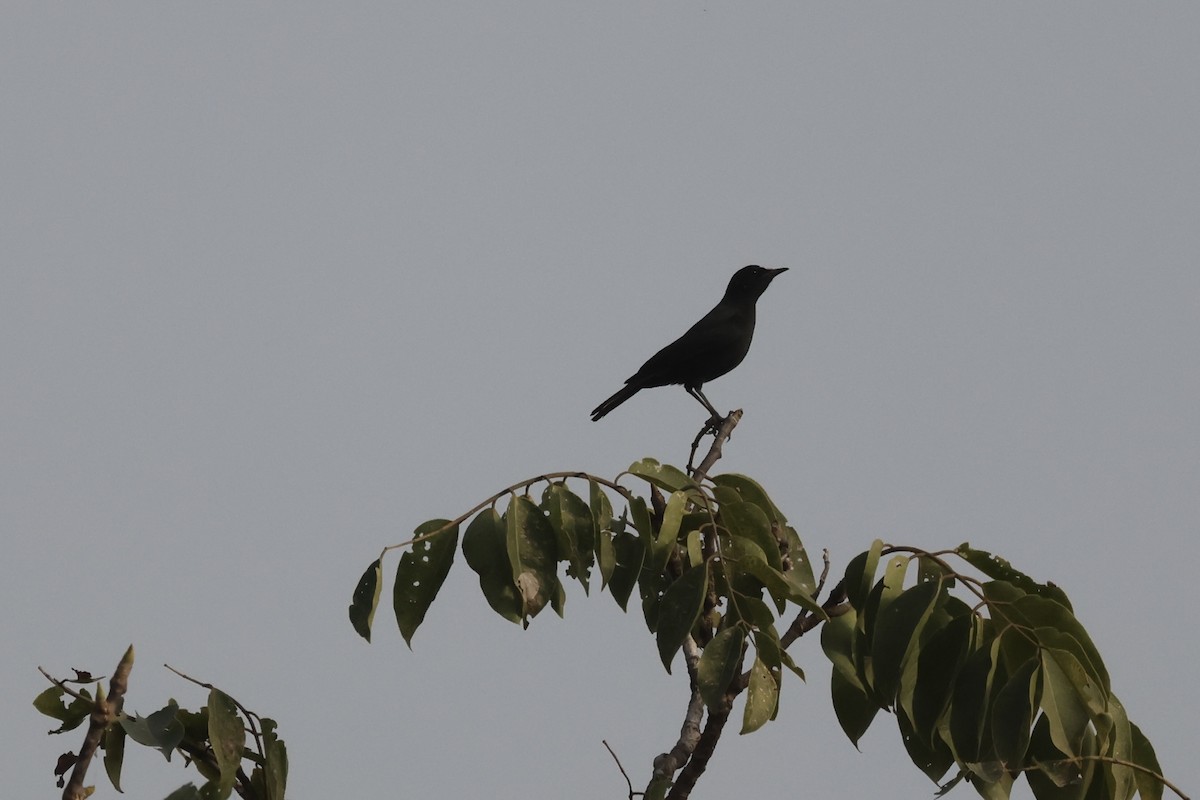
<point>104,711</point>
<point>719,438</point>
<point>834,606</point>
<point>624,774</point>
<point>62,684</point>
<point>247,713</point>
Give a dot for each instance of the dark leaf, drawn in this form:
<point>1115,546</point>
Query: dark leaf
<point>1064,708</point>
<point>574,528</point>
<point>853,708</point>
<point>161,730</point>
<point>970,704</point>
<point>1012,714</point>
<point>998,568</point>
<point>762,697</point>
<point>664,476</point>
<point>1149,786</point>
<point>749,490</point>
<point>897,632</point>
<point>937,669</point>
<point>421,573</point>
<point>114,754</point>
<point>533,555</point>
<point>228,737</point>
<point>50,702</point>
<point>629,552</point>
<point>485,547</point>
<point>931,755</point>
<point>681,607</point>
<point>720,663</point>
<point>365,600</point>
<point>860,575</point>
<point>748,521</point>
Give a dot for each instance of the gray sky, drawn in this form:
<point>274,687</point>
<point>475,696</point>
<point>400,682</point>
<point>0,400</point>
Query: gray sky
<point>281,283</point>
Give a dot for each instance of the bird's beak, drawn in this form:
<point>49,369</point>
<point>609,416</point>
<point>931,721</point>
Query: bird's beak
<point>775,272</point>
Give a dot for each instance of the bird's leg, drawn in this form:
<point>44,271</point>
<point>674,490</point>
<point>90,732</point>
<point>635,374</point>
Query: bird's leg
<point>714,422</point>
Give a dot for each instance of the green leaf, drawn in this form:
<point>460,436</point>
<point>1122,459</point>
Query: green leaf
<point>996,567</point>
<point>720,663</point>
<point>1042,612</point>
<point>1090,691</point>
<point>228,737</point>
<point>937,668</point>
<point>629,552</point>
<point>930,755</point>
<point>114,754</point>
<point>574,529</point>
<point>161,730</point>
<point>970,704</point>
<point>680,608</point>
<point>668,531</point>
<point>750,491</point>
<point>421,573</point>
<point>1012,714</point>
<point>1066,712</point>
<point>762,697</point>
<point>695,548</point>
<point>664,476</point>
<point>748,521</point>
<point>897,633</point>
<point>186,792</point>
<point>1149,787</point>
<point>533,555</point>
<point>1055,776</point>
<point>485,547</point>
<point>801,572</point>
<point>276,766</point>
<point>651,586</point>
<point>639,515</point>
<point>1115,737</point>
<point>50,703</point>
<point>853,708</point>
<point>837,642</point>
<point>366,600</point>
<point>860,575</point>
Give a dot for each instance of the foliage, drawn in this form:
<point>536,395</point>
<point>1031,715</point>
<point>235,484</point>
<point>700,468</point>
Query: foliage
<point>1002,684</point>
<point>212,739</point>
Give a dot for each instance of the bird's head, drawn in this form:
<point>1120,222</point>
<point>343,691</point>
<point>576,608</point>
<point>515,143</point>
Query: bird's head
<point>748,283</point>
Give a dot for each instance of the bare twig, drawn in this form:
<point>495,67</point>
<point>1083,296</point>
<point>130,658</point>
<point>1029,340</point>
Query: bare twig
<point>104,712</point>
<point>624,774</point>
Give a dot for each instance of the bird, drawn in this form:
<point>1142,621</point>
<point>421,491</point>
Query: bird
<point>710,348</point>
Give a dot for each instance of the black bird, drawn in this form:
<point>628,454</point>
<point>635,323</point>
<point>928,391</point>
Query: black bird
<point>713,346</point>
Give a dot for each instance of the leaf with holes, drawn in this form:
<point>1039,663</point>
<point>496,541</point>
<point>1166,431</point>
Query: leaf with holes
<point>421,573</point>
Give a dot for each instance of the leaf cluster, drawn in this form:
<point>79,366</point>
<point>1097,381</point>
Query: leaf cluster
<point>213,739</point>
<point>1002,684</point>
<point>715,563</point>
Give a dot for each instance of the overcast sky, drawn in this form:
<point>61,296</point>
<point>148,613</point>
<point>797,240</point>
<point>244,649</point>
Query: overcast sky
<point>279,283</point>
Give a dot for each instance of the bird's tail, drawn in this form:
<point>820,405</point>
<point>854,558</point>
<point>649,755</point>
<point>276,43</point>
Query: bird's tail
<point>628,391</point>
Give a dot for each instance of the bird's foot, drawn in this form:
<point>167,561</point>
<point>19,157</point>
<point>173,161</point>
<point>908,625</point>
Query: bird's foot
<point>713,425</point>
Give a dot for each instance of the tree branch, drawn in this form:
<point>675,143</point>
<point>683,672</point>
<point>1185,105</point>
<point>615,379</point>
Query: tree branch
<point>667,764</point>
<point>104,711</point>
<point>720,436</point>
